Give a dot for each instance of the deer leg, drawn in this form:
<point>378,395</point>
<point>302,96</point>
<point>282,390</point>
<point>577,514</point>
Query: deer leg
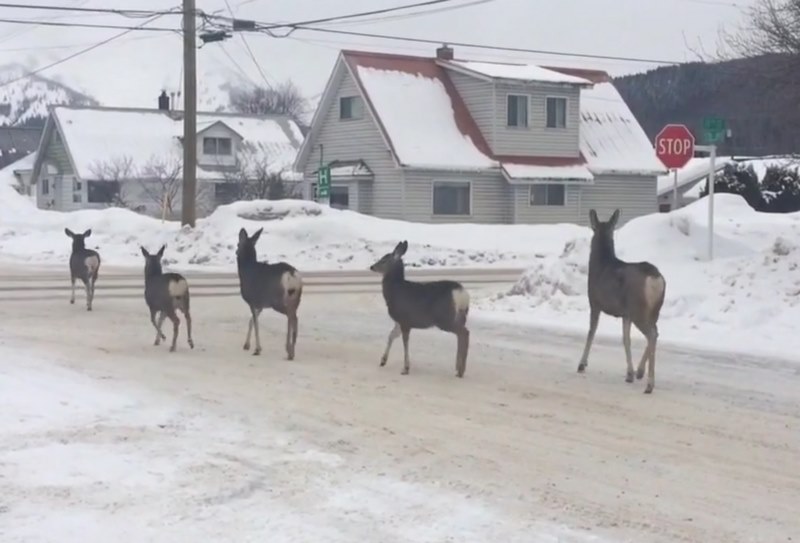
<point>159,334</point>
<point>626,342</point>
<point>461,352</point>
<point>645,355</point>
<point>188,316</point>
<point>175,326</point>
<point>254,325</point>
<point>88,286</point>
<point>594,318</point>
<point>246,346</point>
<point>393,335</point>
<point>652,339</point>
<point>72,297</point>
<point>406,332</point>
<point>291,334</point>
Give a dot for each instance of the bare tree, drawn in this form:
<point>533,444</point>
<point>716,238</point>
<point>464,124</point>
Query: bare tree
<point>282,99</point>
<point>255,179</point>
<point>161,179</point>
<point>113,174</point>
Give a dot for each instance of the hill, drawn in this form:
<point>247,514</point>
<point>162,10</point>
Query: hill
<point>755,96</point>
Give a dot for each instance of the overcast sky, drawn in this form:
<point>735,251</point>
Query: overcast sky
<point>652,29</point>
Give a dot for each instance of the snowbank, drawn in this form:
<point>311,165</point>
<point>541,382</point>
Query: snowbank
<point>747,299</point>
<point>308,235</point>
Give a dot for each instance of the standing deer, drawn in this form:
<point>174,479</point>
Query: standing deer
<point>84,264</point>
<point>631,290</point>
<point>277,286</point>
<point>165,293</point>
<point>444,304</point>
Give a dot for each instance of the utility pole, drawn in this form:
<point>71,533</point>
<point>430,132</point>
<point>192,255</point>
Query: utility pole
<point>189,194</point>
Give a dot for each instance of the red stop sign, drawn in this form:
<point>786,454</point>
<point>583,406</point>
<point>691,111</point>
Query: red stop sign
<point>675,145</point>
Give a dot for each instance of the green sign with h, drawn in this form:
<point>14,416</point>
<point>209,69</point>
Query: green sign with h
<point>324,182</point>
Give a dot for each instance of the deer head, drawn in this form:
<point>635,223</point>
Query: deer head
<point>78,240</point>
<point>389,260</point>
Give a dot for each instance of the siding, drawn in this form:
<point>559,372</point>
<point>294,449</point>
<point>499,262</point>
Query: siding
<point>56,155</point>
<point>536,139</point>
<point>490,197</point>
<point>358,139</point>
<point>218,131</point>
<point>633,195</point>
<point>477,95</point>
<point>524,213</point>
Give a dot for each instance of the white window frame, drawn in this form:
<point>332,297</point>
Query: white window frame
<point>356,107</point>
<point>566,112</point>
<point>531,202</point>
<point>216,152</point>
<point>434,183</point>
<point>527,98</point>
<point>45,186</point>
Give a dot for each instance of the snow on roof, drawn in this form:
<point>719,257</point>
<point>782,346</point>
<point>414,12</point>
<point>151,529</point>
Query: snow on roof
<point>25,163</point>
<point>102,135</point>
<point>528,172</point>
<point>519,72</point>
<point>611,138</point>
<point>419,117</point>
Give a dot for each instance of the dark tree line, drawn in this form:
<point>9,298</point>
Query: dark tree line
<point>777,192</point>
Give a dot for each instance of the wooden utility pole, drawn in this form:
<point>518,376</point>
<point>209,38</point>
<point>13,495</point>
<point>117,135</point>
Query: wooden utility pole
<point>189,194</point>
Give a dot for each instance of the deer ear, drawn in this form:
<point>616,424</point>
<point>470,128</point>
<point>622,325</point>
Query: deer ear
<point>69,232</point>
<point>160,252</point>
<point>257,235</point>
<point>144,251</point>
<point>242,235</point>
<point>87,233</point>
<point>614,218</point>
<point>593,220</point>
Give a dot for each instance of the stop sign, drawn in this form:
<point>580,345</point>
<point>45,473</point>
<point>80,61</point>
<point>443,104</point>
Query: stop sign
<point>675,145</point>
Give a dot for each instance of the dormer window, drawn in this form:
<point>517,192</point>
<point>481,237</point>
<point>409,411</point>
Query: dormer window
<point>217,146</point>
<point>517,110</point>
<point>556,112</point>
<point>350,108</point>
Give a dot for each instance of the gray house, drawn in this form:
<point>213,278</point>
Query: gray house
<point>435,139</point>
<point>95,157</point>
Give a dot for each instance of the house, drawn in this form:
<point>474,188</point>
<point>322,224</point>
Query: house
<point>23,171</point>
<point>95,157</point>
<point>436,139</point>
<point>17,142</point>
<point>694,173</point>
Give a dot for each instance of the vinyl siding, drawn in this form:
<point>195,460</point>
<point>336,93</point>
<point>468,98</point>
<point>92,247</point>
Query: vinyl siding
<point>536,139</point>
<point>633,195</point>
<point>56,154</point>
<point>490,197</point>
<point>356,139</point>
<point>525,213</point>
<point>477,95</point>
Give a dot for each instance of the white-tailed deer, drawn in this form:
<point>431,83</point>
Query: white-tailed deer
<point>84,264</point>
<point>633,291</point>
<point>277,286</point>
<point>165,294</point>
<point>444,304</point>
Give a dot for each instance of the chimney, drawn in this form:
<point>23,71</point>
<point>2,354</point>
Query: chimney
<point>163,101</point>
<point>445,52</point>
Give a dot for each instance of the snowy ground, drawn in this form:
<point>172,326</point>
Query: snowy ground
<point>104,437</point>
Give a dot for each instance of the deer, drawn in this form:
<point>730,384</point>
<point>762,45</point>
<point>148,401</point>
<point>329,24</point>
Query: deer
<point>84,264</point>
<point>422,305</point>
<point>262,285</point>
<point>165,294</point>
<point>633,291</point>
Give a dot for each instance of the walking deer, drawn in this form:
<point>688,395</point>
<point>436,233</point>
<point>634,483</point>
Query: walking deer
<point>277,286</point>
<point>84,264</point>
<point>633,291</point>
<point>165,294</point>
<point>444,304</point>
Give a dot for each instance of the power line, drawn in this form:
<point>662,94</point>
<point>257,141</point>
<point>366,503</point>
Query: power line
<point>405,16</point>
<point>77,9</point>
<point>250,51</point>
<point>79,53</point>
<point>88,25</point>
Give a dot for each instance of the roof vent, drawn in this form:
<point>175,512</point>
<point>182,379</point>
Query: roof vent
<point>163,101</point>
<point>445,52</point>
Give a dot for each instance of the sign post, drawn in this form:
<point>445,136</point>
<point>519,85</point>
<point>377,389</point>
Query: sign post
<point>712,175</point>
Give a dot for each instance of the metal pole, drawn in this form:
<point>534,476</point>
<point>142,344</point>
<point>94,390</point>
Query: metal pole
<point>712,177</point>
<point>675,189</point>
<point>189,194</point>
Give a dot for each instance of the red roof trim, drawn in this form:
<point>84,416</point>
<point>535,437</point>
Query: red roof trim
<point>543,160</point>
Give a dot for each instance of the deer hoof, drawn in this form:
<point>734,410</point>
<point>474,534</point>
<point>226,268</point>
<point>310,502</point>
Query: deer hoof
<point>246,347</point>
<point>72,301</point>
<point>156,343</point>
<point>649,389</point>
<point>172,349</point>
<point>640,373</point>
<point>582,367</point>
<point>191,344</point>
<point>384,359</point>
<point>289,356</point>
<point>404,372</point>
<point>460,374</point>
<point>629,377</point>
<point>256,351</point>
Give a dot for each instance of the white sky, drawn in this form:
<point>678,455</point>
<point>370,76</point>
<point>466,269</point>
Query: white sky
<point>132,70</point>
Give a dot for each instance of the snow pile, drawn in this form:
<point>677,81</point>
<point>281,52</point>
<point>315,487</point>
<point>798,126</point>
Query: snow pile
<point>747,298</point>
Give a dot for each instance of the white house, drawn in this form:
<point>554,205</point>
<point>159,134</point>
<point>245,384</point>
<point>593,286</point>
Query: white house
<point>94,157</point>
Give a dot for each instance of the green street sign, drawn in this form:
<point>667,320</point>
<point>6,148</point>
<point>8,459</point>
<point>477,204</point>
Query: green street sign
<point>324,182</point>
<point>714,129</point>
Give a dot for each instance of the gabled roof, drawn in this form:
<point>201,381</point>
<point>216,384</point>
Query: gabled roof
<point>94,135</point>
<point>426,124</point>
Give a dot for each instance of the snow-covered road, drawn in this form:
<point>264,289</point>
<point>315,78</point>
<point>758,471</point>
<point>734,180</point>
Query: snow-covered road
<point>104,437</point>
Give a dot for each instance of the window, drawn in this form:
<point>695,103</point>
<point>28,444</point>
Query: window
<point>77,197</point>
<point>350,107</point>
<point>556,112</point>
<point>45,186</point>
<point>340,197</point>
<point>102,192</point>
<point>217,146</point>
<point>517,110</point>
<point>76,186</point>
<point>451,199</point>
<point>226,193</point>
<point>77,191</point>
<point>547,195</point>
<point>664,208</point>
